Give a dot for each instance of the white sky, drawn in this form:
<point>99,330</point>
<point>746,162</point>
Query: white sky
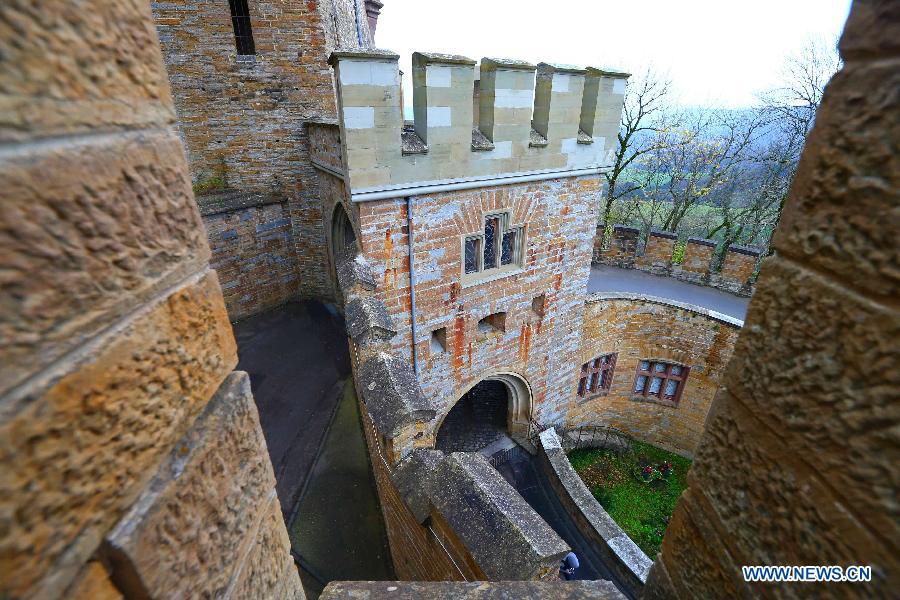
<point>715,51</point>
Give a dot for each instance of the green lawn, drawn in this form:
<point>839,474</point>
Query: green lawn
<point>641,509</point>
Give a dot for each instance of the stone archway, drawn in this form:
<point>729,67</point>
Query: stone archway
<point>498,405</point>
<point>343,244</point>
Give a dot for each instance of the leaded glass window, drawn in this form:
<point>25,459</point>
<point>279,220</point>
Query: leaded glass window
<point>596,376</point>
<point>491,231</point>
<point>472,251</point>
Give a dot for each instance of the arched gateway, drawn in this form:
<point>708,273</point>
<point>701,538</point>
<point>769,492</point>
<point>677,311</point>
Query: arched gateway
<point>499,405</point>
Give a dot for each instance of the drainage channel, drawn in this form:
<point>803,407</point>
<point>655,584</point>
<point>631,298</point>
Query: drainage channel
<point>336,529</point>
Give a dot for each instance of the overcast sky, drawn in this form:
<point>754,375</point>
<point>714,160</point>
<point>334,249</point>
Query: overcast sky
<point>716,51</point>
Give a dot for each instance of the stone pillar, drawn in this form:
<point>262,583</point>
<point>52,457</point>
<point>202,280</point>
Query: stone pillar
<point>798,464</point>
<point>695,267</point>
<point>368,92</point>
<point>737,269</point>
<point>506,98</point>
<point>114,328</point>
<point>622,248</point>
<point>442,105</point>
<point>657,257</point>
<point>601,108</point>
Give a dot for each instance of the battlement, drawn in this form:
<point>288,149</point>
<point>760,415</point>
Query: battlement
<point>532,120</point>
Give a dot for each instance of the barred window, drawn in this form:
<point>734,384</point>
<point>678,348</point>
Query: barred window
<point>660,380</point>
<point>240,21</point>
<point>596,376</point>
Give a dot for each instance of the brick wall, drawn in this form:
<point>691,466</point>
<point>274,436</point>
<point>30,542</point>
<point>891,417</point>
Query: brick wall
<point>637,330</point>
<point>243,119</point>
<point>559,220</point>
<point>798,465</point>
<point>132,457</point>
<point>253,252</point>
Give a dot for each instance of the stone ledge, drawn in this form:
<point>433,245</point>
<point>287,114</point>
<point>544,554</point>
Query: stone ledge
<point>232,201</point>
<point>663,234</point>
<point>392,394</point>
<point>368,320</point>
<point>364,53</point>
<point>561,68</point>
<point>355,273</point>
<point>507,539</point>
<point>702,242</point>
<point>505,64</point>
<point>186,533</point>
<point>412,476</point>
<point>438,58</point>
<point>473,590</point>
<point>653,400</point>
<point>717,316</point>
<point>625,557</point>
<point>748,250</point>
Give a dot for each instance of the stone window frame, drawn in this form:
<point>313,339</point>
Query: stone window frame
<point>588,387</point>
<point>666,375</point>
<point>482,275</point>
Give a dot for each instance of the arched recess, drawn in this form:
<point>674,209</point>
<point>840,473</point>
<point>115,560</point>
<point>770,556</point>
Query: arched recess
<point>519,406</point>
<point>343,243</point>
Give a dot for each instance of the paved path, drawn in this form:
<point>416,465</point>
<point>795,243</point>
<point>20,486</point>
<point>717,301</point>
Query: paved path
<point>297,358</point>
<point>613,279</point>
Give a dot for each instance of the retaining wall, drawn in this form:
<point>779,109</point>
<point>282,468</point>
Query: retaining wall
<point>736,274</point>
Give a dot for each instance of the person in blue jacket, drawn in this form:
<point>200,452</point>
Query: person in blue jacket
<point>568,565</point>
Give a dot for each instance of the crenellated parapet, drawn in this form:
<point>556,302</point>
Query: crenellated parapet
<point>530,119</point>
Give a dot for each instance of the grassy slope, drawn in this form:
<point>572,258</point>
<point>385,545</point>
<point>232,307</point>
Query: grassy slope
<point>639,508</point>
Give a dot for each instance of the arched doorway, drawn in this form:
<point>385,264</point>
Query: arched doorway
<point>343,244</point>
<point>498,406</point>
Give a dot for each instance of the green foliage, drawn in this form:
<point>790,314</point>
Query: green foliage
<point>212,183</point>
<point>678,253</point>
<point>642,510</point>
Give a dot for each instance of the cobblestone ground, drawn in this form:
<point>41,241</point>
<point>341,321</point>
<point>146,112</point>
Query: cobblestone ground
<point>477,420</point>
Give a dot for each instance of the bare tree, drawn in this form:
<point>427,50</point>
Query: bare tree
<point>643,115</point>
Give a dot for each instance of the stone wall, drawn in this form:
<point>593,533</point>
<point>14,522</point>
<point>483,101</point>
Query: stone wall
<point>735,274</point>
<point>243,122</point>
<point>252,251</point>
<point>638,328</point>
<point>133,461</point>
<point>798,464</point>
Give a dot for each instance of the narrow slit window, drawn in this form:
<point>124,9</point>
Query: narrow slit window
<point>240,21</point>
<point>508,249</point>
<point>472,251</point>
<point>491,230</point>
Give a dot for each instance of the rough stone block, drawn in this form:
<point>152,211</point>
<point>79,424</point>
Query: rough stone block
<point>844,213</point>
<point>507,539</point>
<point>411,478</point>
<point>268,570</point>
<point>69,67</point>
<point>185,534</point>
<point>392,394</point>
<point>78,445</point>
<point>115,224</point>
<point>826,383</point>
<point>368,321</point>
<point>93,584</point>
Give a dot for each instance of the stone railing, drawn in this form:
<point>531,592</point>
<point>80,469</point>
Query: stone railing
<point>448,516</point>
<point>628,563</point>
<point>532,119</point>
<point>736,274</point>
